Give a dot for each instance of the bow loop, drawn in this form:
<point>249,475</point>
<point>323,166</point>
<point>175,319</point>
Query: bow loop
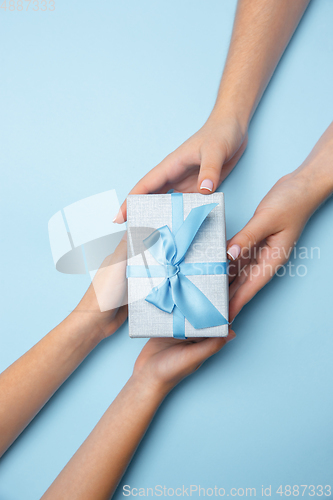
<point>161,244</point>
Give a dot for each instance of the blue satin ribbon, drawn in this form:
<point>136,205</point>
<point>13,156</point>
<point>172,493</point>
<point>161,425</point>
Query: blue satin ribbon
<point>176,293</point>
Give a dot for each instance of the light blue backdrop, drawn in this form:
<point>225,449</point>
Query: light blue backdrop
<point>93,95</point>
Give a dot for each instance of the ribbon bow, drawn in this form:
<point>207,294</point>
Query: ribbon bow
<point>177,291</point>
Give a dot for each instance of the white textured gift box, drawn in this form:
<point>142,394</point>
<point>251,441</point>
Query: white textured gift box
<point>145,214</point>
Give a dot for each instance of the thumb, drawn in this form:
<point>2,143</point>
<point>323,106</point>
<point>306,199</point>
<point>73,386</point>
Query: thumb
<point>210,170</point>
<point>256,230</point>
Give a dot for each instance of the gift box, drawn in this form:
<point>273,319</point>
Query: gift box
<point>177,265</point>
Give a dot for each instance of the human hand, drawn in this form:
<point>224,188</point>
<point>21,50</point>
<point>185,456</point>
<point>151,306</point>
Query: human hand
<point>264,245</point>
<point>200,164</point>
<point>103,308</point>
<point>164,362</point>
<point>27,384</point>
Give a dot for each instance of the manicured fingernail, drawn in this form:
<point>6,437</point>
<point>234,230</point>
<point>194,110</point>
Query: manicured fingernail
<point>119,219</point>
<point>207,184</point>
<point>233,252</point>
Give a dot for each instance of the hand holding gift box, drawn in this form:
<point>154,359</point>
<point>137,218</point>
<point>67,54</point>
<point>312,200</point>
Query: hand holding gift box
<point>178,287</point>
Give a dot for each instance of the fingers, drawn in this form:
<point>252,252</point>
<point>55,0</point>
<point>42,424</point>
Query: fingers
<point>250,281</point>
<point>109,283</point>
<point>120,317</point>
<point>120,252</point>
<point>210,170</point>
<point>238,282</point>
<point>235,267</point>
<point>200,351</point>
<point>257,229</point>
<point>155,181</point>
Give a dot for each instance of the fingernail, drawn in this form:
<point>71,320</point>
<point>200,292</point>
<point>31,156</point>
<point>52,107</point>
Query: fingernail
<point>207,184</point>
<point>119,219</point>
<point>233,252</point>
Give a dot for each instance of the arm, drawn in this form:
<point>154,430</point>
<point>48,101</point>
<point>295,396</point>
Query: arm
<point>28,384</point>
<point>266,242</point>
<point>261,32</point>
<point>97,467</point>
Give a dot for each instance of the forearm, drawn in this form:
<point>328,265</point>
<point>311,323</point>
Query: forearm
<point>261,32</point>
<point>97,467</point>
<point>29,382</point>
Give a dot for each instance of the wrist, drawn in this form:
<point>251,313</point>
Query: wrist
<point>317,182</point>
<point>149,387</point>
<point>83,327</point>
<point>226,111</point>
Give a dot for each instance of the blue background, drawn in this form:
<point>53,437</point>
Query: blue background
<point>93,95</point>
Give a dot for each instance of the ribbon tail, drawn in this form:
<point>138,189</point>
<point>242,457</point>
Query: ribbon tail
<point>161,297</point>
<point>187,231</point>
<point>193,304</point>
